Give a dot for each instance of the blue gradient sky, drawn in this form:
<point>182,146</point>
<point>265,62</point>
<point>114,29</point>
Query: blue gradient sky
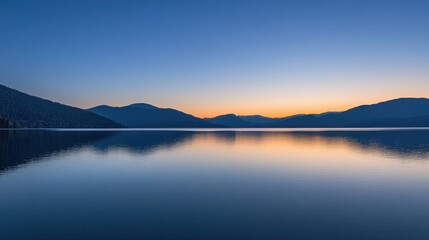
<point>207,58</point>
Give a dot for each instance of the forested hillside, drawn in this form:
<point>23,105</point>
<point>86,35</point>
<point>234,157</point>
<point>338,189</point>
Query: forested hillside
<point>18,109</point>
<point>4,123</point>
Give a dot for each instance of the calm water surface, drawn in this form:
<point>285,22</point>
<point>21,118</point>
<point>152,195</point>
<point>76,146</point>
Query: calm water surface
<point>214,185</point>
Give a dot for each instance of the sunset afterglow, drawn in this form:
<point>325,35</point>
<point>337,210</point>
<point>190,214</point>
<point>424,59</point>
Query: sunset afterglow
<point>216,57</point>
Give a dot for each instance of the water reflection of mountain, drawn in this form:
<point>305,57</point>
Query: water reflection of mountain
<point>143,142</point>
<point>400,143</point>
<point>19,147</point>
<point>22,146</point>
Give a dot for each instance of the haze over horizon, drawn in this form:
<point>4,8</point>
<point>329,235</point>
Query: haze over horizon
<point>207,58</point>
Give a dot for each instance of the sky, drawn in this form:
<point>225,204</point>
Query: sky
<point>274,58</point>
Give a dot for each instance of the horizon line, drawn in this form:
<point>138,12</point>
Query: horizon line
<point>256,114</point>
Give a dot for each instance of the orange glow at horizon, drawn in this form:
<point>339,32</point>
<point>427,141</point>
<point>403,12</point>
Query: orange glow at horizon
<point>277,111</point>
<point>267,109</point>
<point>268,103</point>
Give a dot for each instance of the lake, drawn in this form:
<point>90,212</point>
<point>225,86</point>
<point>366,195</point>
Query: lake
<point>202,184</point>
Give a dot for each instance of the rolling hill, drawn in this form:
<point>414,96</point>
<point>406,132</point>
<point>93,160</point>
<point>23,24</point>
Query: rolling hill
<point>264,120</point>
<point>232,120</point>
<point>402,112</point>
<point>142,115</point>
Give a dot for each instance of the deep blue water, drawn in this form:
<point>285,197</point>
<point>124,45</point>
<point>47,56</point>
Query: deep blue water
<point>214,185</point>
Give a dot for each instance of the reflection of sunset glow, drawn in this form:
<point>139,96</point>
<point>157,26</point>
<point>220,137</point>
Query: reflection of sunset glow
<point>310,153</point>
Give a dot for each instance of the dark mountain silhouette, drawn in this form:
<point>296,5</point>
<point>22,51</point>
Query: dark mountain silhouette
<point>21,110</point>
<point>264,120</point>
<point>231,120</point>
<point>258,119</point>
<point>143,105</point>
<point>403,112</point>
<point>18,109</point>
<point>141,115</point>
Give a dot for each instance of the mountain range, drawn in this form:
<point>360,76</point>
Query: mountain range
<point>20,110</point>
<point>402,112</point>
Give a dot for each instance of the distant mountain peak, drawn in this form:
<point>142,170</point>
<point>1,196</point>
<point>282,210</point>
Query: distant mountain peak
<point>143,115</point>
<point>256,116</point>
<point>142,105</point>
<point>226,115</point>
<point>231,120</point>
